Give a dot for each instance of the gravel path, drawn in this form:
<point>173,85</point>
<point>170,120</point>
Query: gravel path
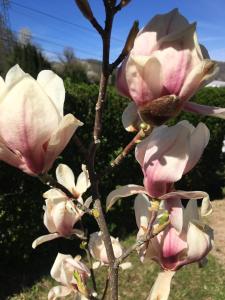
<point>217,221</point>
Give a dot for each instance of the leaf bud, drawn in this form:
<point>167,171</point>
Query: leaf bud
<point>85,8</point>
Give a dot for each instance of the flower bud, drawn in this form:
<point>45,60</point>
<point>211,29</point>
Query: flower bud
<point>131,37</point>
<point>85,8</point>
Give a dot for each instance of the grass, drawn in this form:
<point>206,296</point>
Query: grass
<point>190,283</point>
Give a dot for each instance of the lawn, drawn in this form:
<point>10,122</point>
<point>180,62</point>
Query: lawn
<point>190,283</point>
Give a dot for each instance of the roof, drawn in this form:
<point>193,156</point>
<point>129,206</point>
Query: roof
<point>216,83</point>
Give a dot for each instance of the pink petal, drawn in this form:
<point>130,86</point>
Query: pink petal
<point>143,78</point>
<point>175,209</point>
<point>172,245</point>
<point>27,120</point>
<point>211,111</point>
<point>123,191</point>
<point>166,152</point>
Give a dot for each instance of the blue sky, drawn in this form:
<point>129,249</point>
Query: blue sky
<point>53,35</point>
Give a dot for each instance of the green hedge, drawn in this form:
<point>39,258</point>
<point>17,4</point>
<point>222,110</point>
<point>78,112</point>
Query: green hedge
<point>21,196</point>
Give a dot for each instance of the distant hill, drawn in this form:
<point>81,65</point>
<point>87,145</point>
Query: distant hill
<point>221,74</point>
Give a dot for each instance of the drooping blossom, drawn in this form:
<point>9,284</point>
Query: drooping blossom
<point>185,240</point>
<point>165,68</point>
<point>61,213</point>
<point>72,274</point>
<point>98,251</point>
<point>165,156</point>
<point>33,130</point>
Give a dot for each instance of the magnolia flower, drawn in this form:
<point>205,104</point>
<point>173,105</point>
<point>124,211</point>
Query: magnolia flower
<point>169,153</point>
<point>72,274</point>
<point>61,213</point>
<point>164,70</point>
<point>165,156</point>
<point>33,130</point>
<point>184,241</point>
<point>98,251</point>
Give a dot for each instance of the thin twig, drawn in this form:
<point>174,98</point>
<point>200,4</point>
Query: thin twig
<point>138,137</point>
<point>105,289</point>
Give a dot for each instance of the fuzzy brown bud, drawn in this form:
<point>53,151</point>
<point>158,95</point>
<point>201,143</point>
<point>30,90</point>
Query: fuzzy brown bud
<point>85,8</point>
<point>131,37</point>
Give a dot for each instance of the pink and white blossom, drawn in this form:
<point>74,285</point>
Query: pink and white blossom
<point>98,250</point>
<point>185,240</point>
<point>33,130</point>
<point>61,213</point>
<point>72,274</point>
<point>165,68</point>
<point>165,156</point>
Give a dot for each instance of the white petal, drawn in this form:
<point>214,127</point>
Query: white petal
<point>88,201</point>
<point>141,208</point>
<point>59,291</point>
<point>130,117</point>
<point>54,87</point>
<point>83,182</point>
<point>126,265</point>
<point>45,238</point>
<point>57,267</point>
<point>55,194</point>
<point>123,191</point>
<point>161,287</point>
<point>199,242</point>
<point>14,75</point>
<point>206,208</point>
<point>65,177</point>
<point>97,264</point>
<point>185,195</point>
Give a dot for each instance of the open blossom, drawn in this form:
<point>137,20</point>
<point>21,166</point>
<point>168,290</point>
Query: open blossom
<point>98,250</point>
<point>72,274</point>
<point>185,240</point>
<point>164,70</point>
<point>33,130</point>
<point>61,213</point>
<point>165,156</point>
